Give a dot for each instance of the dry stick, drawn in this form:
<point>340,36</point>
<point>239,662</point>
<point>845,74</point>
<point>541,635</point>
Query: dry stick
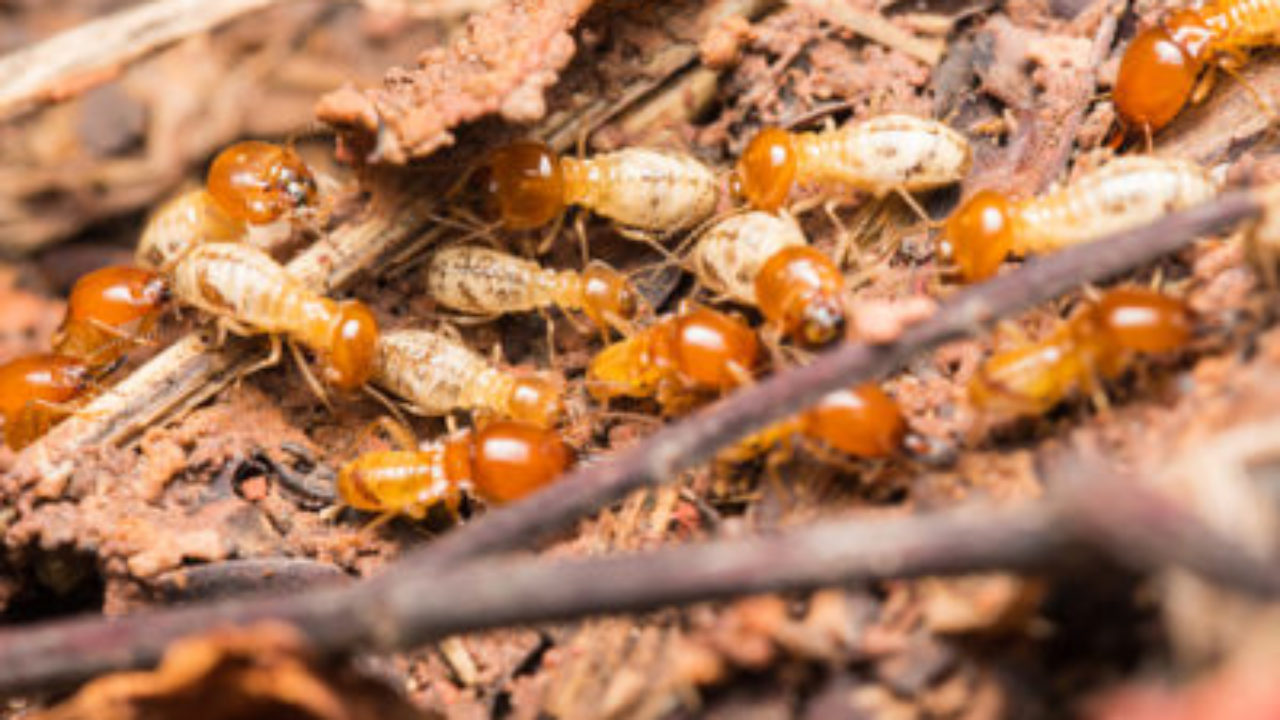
<point>93,53</point>
<point>662,456</point>
<point>418,608</point>
<point>420,598</point>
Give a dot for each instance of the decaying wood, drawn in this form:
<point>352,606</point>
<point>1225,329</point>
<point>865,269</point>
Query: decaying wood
<point>406,608</point>
<point>71,62</point>
<point>480,74</point>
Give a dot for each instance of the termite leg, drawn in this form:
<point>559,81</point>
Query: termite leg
<point>549,237</point>
<point>580,230</point>
<point>382,519</point>
<point>312,383</point>
<point>919,211</point>
<point>844,244</point>
<point>387,402</point>
<point>271,360</point>
<point>1232,67</point>
<point>650,239</point>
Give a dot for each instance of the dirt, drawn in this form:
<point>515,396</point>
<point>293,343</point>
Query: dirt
<point>241,489</point>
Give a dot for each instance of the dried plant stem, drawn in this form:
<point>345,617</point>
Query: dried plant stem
<point>90,54</point>
<point>410,608</point>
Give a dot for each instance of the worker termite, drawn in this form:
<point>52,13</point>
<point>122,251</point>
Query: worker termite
<point>483,281</point>
<point>693,351</point>
<point>1163,67</point>
<point>861,421</point>
<point>884,154</point>
<point>1098,342</point>
<point>108,310</point>
<point>252,294</point>
<point>764,260</point>
<point>181,224</point>
<point>639,188</point>
<point>257,182</point>
<point>1125,193</point>
<point>37,391</point>
<point>500,462</point>
<point>436,375</point>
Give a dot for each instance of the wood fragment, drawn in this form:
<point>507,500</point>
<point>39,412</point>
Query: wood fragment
<point>71,62</point>
<point>875,27</point>
<point>408,608</point>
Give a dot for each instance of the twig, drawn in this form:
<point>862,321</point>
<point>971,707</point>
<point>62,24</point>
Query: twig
<point>877,28</point>
<point>662,456</point>
<point>93,53</point>
<point>410,608</point>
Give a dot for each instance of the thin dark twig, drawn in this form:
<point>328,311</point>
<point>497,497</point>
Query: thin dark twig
<point>426,595</point>
<point>418,608</point>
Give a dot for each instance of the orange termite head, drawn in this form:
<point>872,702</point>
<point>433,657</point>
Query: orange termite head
<point>353,346</point>
<point>608,296</point>
<point>537,399</point>
<point>766,170</point>
<point>1159,70</point>
<point>1143,320</point>
<point>710,349</point>
<point>979,235</point>
<point>861,421</point>
<point>511,459</point>
<point>116,295</point>
<point>524,184</point>
<point>260,182</point>
<point>801,290</point>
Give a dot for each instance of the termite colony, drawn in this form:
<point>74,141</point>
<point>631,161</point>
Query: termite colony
<point>764,296</point>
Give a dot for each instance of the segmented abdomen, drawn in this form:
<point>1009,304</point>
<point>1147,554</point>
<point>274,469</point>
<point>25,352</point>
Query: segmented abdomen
<point>728,257</point>
<point>244,284</point>
<point>436,374</point>
<point>1243,22</point>
<point>181,224</point>
<point>479,280</point>
<point>1125,193</point>
<point>394,480</point>
<point>643,188</point>
<point>884,154</point>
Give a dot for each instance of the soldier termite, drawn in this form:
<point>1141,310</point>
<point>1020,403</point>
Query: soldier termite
<point>763,260</point>
<point>37,391</point>
<point>890,153</point>
<point>109,310</point>
<point>1098,342</point>
<point>252,294</point>
<point>1125,193</point>
<point>257,182</point>
<point>1164,66</point>
<point>484,281</point>
<point>693,351</point>
<point>500,462</point>
<point>861,421</point>
<point>436,375</point>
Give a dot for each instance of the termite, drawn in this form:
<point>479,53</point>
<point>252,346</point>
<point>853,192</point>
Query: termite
<point>693,351</point>
<point>763,260</point>
<point>109,310</point>
<point>258,183</point>
<point>639,188</point>
<point>483,281</point>
<point>1097,343</point>
<point>861,421</point>
<point>890,153</point>
<point>1163,67</point>
<point>1125,193</point>
<point>191,219</point>
<point>436,374</point>
<point>37,391</point>
<point>252,294</point>
<point>500,462</point>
